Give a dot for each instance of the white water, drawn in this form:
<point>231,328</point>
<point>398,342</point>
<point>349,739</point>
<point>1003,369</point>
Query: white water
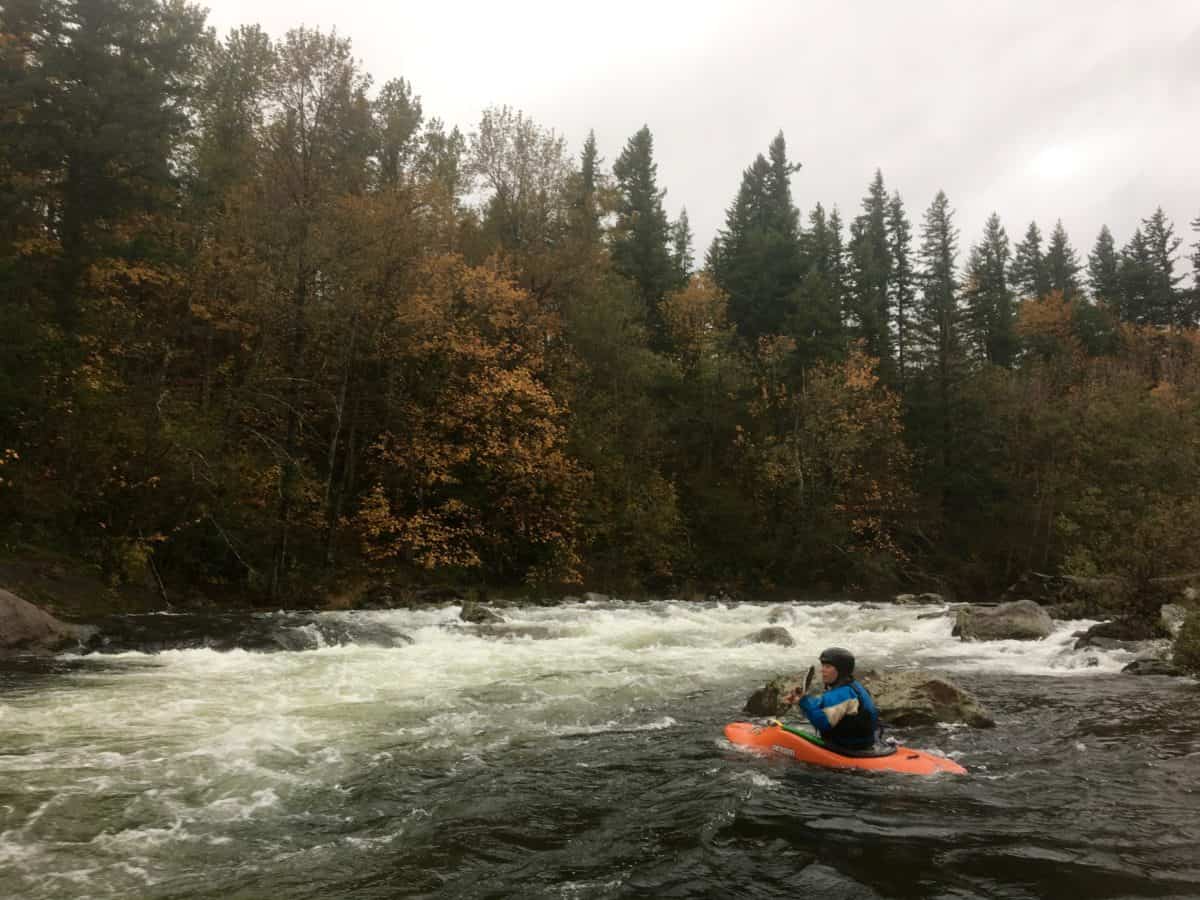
<point>118,766</point>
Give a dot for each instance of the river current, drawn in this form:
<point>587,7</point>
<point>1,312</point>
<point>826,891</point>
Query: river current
<point>580,755</point>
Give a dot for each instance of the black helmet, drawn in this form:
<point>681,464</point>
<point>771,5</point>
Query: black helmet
<point>840,659</point>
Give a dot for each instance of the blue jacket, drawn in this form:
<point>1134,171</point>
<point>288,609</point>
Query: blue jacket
<point>845,714</point>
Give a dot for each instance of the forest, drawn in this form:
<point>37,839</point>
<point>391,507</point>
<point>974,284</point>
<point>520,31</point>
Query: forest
<point>268,328</point>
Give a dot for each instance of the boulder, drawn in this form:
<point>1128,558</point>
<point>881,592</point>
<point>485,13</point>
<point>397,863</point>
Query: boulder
<point>768,699</point>
<point>1152,667</point>
<point>779,614</point>
<point>927,597</point>
<point>905,698</point>
<point>477,614</point>
<point>917,697</point>
<point>1187,644</point>
<point>1100,642</point>
<point>25,629</point>
<point>1023,620</point>
<point>1120,634</point>
<point>1071,597</point>
<point>775,634</point>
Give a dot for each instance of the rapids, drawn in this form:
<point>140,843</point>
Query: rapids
<point>588,762</point>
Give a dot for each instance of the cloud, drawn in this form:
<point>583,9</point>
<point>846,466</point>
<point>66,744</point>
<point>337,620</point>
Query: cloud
<point>1075,110</point>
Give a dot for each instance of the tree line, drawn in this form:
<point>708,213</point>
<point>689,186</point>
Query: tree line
<point>266,325</point>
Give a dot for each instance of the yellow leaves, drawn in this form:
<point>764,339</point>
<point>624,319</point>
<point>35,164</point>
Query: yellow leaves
<point>480,467</point>
<point>845,451</point>
<point>8,459</point>
<point>695,316</point>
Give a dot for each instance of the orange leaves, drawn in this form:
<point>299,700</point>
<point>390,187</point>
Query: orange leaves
<point>1047,325</point>
<point>479,473</point>
<point>845,452</point>
<point>695,316</point>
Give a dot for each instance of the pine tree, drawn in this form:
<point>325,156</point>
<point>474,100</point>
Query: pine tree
<point>585,207</point>
<point>939,343</point>
<point>990,314</point>
<point>1062,264</point>
<point>1195,297</point>
<point>817,321</point>
<point>1135,298</point>
<point>103,87</point>
<point>681,247</point>
<point>1027,273</point>
<point>1104,268</point>
<point>903,281</point>
<point>398,117</point>
<point>939,326</point>
<point>871,271</point>
<point>641,237</point>
<point>1167,305</point>
<point>756,259</point>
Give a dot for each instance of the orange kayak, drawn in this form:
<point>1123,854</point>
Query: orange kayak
<point>775,738</point>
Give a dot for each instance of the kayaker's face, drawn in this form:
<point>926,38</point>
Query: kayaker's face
<point>828,673</point>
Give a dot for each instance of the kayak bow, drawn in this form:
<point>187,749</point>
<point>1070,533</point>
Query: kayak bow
<point>775,738</point>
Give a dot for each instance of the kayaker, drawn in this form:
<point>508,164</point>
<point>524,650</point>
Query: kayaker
<point>844,713</point>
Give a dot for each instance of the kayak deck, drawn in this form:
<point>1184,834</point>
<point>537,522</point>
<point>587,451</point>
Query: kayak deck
<point>775,738</point>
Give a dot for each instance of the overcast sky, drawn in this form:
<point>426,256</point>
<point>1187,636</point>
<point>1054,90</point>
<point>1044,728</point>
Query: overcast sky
<point>1084,110</point>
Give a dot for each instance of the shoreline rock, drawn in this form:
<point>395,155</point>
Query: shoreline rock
<point>26,630</point>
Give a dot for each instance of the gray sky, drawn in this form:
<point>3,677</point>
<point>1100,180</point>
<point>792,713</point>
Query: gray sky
<point>1081,109</point>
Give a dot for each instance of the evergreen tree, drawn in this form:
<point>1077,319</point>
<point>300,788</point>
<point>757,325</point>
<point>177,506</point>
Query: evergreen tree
<point>1196,273</point>
<point>585,207</point>
<point>398,117</point>
<point>681,247</point>
<point>756,260</point>
<point>103,88</point>
<point>1104,268</point>
<point>1028,274</point>
<point>1148,284</point>
<point>1135,298</point>
<point>1167,304</point>
<point>641,237</point>
<point>871,271</point>
<point>990,314</point>
<point>817,321</point>
<point>940,352</point>
<point>939,326</point>
<point>1062,264</point>
<point>903,281</point>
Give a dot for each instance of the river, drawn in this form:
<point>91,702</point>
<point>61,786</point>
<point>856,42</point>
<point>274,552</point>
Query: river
<point>582,757</point>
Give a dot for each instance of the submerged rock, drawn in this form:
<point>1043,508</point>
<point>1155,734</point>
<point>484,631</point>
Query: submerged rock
<point>1152,667</point>
<point>504,630</point>
<point>476,613</point>
<point>26,629</point>
<point>775,634</point>
<point>1023,620</point>
<point>927,597</point>
<point>905,698</point>
<point>254,633</point>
